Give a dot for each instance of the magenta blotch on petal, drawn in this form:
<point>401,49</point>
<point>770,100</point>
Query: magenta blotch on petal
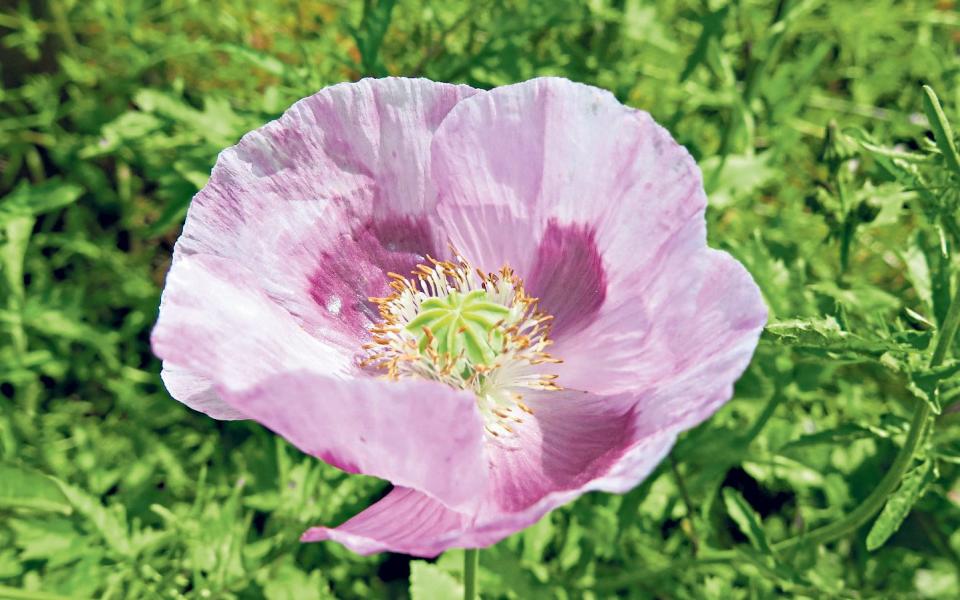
<point>347,275</point>
<point>267,312</point>
<point>568,277</point>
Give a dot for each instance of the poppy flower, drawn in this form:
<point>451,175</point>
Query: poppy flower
<point>495,300</point>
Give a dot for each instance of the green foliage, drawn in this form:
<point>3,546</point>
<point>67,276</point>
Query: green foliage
<point>833,175</point>
<point>429,582</point>
<point>26,489</point>
<point>899,504</point>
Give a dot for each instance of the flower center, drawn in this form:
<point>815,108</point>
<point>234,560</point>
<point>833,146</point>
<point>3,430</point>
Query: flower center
<point>461,325</point>
<point>472,331</point>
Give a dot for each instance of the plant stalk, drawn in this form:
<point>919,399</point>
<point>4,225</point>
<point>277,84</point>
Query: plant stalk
<point>921,415</point>
<point>471,560</point>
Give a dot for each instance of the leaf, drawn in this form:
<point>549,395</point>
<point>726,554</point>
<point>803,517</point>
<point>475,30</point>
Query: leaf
<point>712,24</point>
<point>429,582</point>
<point>377,16</point>
<point>900,503</point>
<point>782,573</point>
<point>746,519</point>
<point>918,273</point>
<point>739,176</point>
<point>504,572</point>
<point>925,383</point>
<point>842,434</point>
<point>287,582</point>
<point>9,565</point>
<point>17,232</point>
<point>52,539</point>
<point>131,125</point>
<point>823,336</point>
<point>24,488</point>
<point>110,522</point>
<point>536,538</point>
<point>942,131</point>
<point>167,105</point>
<point>815,332</point>
<point>171,215</point>
<point>863,299</point>
<point>28,200</point>
<point>269,63</point>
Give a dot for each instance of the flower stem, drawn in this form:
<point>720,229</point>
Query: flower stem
<point>471,560</point>
<point>921,415</point>
<point>688,504</point>
<point>875,501</point>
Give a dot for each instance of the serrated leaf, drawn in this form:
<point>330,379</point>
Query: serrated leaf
<point>131,125</point>
<point>823,336</point>
<point>899,504</point>
<point>25,488</point>
<point>746,519</point>
<point>430,582</point>
<point>926,383</point>
<point>819,332</point>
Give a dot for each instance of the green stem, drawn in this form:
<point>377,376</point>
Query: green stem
<point>765,415</point>
<point>860,515</point>
<point>471,560</point>
<point>949,331</point>
<point>875,501</point>
<point>688,504</point>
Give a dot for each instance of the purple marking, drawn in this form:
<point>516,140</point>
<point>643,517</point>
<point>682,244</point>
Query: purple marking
<point>568,277</point>
<point>356,268</point>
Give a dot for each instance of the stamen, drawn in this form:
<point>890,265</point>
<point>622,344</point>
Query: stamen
<point>453,323</point>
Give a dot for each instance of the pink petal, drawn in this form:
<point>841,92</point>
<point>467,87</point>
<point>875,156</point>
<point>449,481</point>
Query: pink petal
<point>592,202</point>
<point>196,392</point>
<point>217,326</point>
<point>410,522</point>
<point>321,201</point>
<point>508,162</point>
<point>602,213</point>
<point>710,318</point>
<point>415,433</point>
<point>696,306</point>
<point>404,521</point>
<point>576,442</point>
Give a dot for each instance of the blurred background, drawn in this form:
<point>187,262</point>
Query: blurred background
<point>807,117</point>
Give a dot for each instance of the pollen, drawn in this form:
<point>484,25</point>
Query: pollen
<point>471,330</point>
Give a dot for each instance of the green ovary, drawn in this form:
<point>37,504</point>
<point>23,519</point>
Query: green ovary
<point>461,323</point>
